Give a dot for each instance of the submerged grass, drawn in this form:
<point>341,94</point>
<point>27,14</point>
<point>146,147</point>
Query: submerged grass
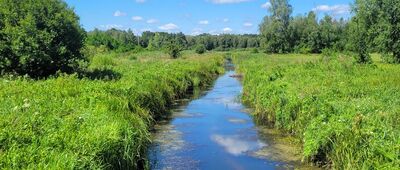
<point>345,115</point>
<point>74,122</point>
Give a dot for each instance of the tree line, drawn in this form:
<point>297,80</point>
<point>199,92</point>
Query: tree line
<point>122,40</point>
<point>375,27</point>
<point>39,38</point>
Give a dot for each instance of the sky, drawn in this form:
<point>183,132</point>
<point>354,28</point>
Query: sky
<point>192,17</point>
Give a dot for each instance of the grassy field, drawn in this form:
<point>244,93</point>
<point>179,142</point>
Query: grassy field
<point>345,115</point>
<point>98,119</point>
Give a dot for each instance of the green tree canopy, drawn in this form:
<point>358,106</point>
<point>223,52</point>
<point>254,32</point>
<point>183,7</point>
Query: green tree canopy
<point>275,28</point>
<point>39,37</point>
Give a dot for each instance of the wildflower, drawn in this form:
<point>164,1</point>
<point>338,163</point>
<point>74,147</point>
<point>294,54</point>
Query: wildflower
<point>26,105</point>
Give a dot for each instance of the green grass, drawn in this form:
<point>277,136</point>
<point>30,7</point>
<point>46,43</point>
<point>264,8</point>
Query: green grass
<point>101,122</point>
<point>345,115</point>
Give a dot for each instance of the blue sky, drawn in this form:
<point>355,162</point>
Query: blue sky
<point>191,16</point>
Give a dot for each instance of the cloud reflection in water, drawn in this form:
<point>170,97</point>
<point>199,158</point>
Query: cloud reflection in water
<point>237,145</point>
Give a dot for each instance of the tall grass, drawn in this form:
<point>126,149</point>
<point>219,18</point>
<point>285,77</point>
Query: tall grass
<point>70,122</point>
<point>345,115</point>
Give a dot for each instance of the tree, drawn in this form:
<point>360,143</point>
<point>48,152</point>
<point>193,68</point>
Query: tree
<point>378,21</point>
<point>145,38</point>
<point>39,37</point>
<point>274,28</point>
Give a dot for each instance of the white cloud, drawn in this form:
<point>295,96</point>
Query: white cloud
<point>225,20</point>
<point>228,1</point>
<point>197,31</point>
<point>110,26</point>
<point>168,27</point>
<point>140,1</point>
<point>204,22</point>
<point>119,13</point>
<point>248,24</point>
<point>137,18</point>
<point>334,9</point>
<point>152,21</point>
<point>227,30</point>
<point>266,5</point>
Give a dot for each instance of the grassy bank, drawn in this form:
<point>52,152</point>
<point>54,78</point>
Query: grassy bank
<point>99,119</point>
<point>345,115</point>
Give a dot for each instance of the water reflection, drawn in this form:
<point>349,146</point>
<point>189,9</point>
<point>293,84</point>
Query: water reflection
<point>235,145</point>
<point>211,132</point>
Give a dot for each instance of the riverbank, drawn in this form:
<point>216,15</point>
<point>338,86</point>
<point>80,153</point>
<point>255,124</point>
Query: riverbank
<point>344,115</point>
<point>214,131</point>
<point>97,121</point>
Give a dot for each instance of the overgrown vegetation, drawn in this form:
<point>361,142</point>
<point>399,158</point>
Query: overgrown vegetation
<point>77,100</point>
<point>346,115</point>
<point>100,122</point>
<point>39,38</point>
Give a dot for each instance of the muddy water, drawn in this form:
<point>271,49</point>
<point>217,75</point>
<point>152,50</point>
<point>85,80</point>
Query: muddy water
<point>214,132</point>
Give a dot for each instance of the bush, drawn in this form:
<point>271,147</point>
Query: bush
<point>39,38</point>
<point>173,50</point>
<point>200,49</point>
<point>254,51</point>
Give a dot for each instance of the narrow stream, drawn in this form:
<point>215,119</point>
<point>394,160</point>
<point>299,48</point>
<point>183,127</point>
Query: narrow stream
<point>211,132</point>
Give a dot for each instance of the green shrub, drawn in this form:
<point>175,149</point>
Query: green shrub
<point>39,38</point>
<point>254,50</point>
<point>173,49</point>
<point>200,49</point>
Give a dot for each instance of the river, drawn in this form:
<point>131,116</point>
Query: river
<point>212,131</point>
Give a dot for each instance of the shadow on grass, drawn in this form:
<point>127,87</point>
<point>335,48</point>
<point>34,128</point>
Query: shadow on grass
<point>101,74</point>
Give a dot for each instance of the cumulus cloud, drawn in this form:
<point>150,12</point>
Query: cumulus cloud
<point>334,9</point>
<point>140,1</point>
<point>119,13</point>
<point>204,22</point>
<point>137,18</point>
<point>266,5</point>
<point>227,30</point>
<point>228,1</point>
<point>248,24</point>
<point>168,27</point>
<point>152,21</point>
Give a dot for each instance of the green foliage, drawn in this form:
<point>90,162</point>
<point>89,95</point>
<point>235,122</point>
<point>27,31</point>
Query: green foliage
<point>378,28</point>
<point>113,39</point>
<point>275,28</point>
<point>282,33</point>
<point>173,49</point>
<point>162,40</point>
<point>72,123</point>
<point>200,49</point>
<point>39,38</point>
<point>254,50</point>
<point>344,114</point>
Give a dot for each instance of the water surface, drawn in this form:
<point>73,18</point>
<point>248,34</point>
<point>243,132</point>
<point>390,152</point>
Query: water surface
<point>211,132</point>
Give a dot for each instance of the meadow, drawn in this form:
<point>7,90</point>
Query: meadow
<point>345,115</point>
<point>99,119</point>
